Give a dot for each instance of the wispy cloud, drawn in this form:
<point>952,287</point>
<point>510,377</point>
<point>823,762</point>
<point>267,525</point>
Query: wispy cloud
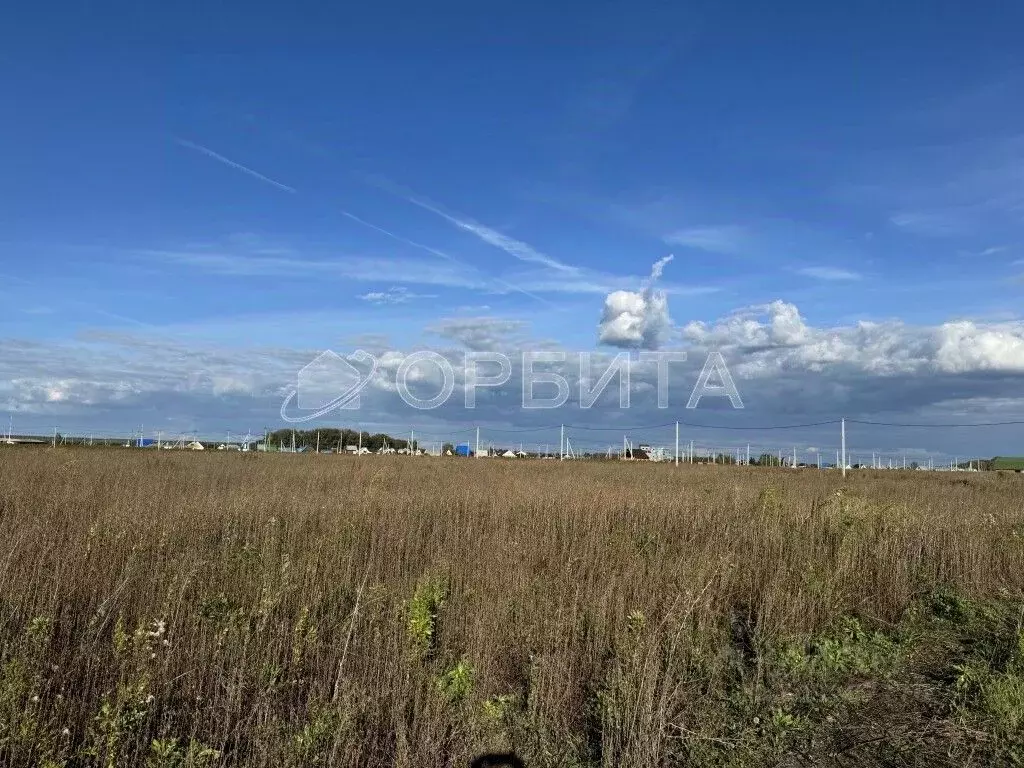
<point>555,277</point>
<point>993,251</point>
<point>930,224</point>
<point>441,254</point>
<point>284,187</point>
<point>725,239</point>
<point>396,294</point>
<point>516,248</point>
<point>964,189</point>
<point>399,238</point>
<point>360,268</point>
<point>231,163</point>
<point>829,273</point>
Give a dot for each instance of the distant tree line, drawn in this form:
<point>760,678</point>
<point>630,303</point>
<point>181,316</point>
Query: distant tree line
<point>333,439</point>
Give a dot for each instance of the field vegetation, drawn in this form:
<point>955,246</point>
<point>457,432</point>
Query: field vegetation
<point>163,610</point>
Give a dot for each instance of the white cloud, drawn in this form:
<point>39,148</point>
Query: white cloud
<point>774,339</point>
<point>396,294</point>
<point>231,163</point>
<point>517,248</point>
<point>481,333</point>
<point>637,319</point>
<point>965,346</point>
<point>787,369</point>
<point>724,239</point>
<point>829,273</point>
<point>931,224</point>
<point>361,268</point>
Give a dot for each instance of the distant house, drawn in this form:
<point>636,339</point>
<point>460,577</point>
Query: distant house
<point>651,453</point>
<point>463,449</point>
<point>509,455</point>
<point>195,445</point>
<point>1008,463</point>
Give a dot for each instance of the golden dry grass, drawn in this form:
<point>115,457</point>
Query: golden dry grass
<point>327,610</point>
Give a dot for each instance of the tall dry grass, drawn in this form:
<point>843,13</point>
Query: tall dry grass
<point>276,610</point>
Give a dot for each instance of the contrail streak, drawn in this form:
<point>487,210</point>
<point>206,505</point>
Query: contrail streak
<point>517,248</point>
<point>440,254</point>
<point>443,255</point>
<point>233,164</point>
<point>399,238</point>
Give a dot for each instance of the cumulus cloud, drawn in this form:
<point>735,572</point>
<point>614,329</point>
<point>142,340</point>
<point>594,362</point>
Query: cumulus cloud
<point>775,338</point>
<point>637,319</point>
<point>787,369</point>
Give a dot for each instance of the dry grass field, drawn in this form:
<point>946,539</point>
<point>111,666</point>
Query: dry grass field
<point>288,610</point>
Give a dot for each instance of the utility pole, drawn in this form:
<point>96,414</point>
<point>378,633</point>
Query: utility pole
<point>478,442</point>
<point>677,443</point>
<point>54,437</point>
<point>794,457</point>
<point>561,442</point>
<point>748,454</point>
<point>843,438</point>
<point>318,442</point>
<point>359,450</point>
<point>412,440</point>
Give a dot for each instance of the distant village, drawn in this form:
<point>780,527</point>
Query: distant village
<point>360,443</point>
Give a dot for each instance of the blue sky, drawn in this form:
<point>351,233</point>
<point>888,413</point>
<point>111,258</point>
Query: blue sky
<point>259,184</point>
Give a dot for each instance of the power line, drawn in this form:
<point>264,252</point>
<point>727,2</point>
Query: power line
<point>639,427</point>
<point>941,426</point>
